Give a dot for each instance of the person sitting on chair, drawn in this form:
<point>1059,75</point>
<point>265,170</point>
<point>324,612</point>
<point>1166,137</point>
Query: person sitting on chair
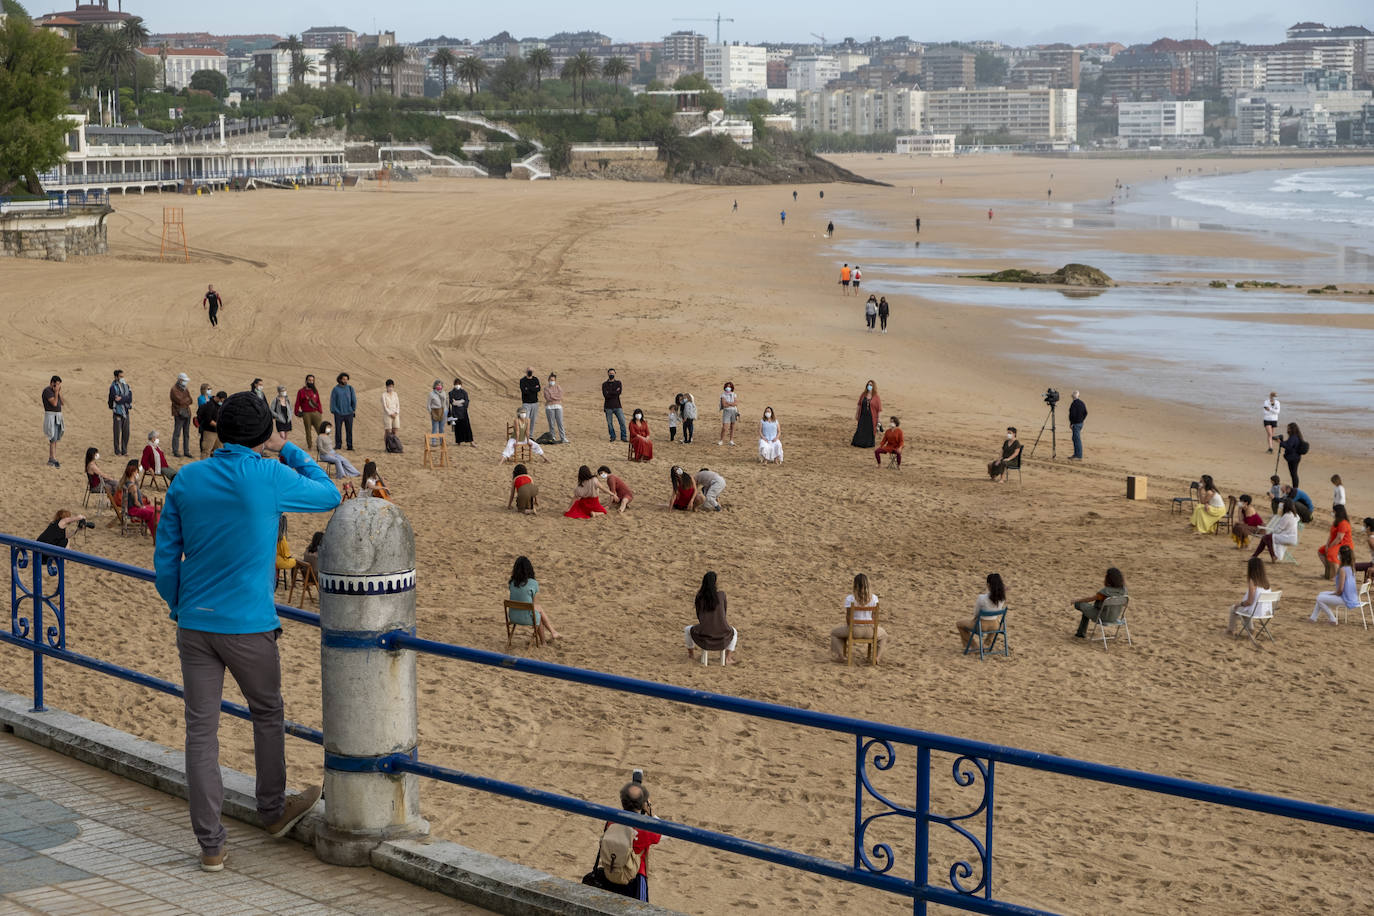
<point>1344,595</point>
<point>1340,536</point>
<point>284,558</point>
<point>1210,508</point>
<point>136,505</point>
<point>1281,530</point>
<point>154,461</point>
<point>311,557</point>
<point>893,440</point>
<point>861,597</point>
<point>524,492</point>
<point>324,447</point>
<point>1011,455</point>
<point>990,601</point>
<point>523,588</point>
<point>373,485</point>
<point>1113,586</point>
<point>712,632</point>
<point>1256,581</point>
<point>521,437</point>
<point>95,478</point>
<point>1249,524</point>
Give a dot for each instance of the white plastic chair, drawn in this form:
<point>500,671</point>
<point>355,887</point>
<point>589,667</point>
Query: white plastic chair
<point>706,657</point>
<point>1261,612</point>
<point>1365,603</point>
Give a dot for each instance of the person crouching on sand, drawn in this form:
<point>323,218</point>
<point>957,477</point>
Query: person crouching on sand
<point>585,501</point>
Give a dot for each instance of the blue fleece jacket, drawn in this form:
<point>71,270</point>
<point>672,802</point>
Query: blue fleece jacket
<point>343,401</point>
<point>217,540</point>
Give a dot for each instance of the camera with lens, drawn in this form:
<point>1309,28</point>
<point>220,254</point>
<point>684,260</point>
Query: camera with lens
<point>1051,397</point>
<point>84,524</point>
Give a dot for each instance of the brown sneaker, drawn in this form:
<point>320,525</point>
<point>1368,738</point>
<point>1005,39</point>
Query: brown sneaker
<point>215,862</point>
<point>297,807</point>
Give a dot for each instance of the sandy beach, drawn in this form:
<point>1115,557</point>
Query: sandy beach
<point>664,283</point>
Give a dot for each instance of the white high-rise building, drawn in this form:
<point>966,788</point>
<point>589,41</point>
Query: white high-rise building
<point>734,68</point>
<point>1032,114</point>
<point>862,111</point>
<point>276,63</point>
<point>811,72</point>
<point>1241,73</point>
<point>1159,120</point>
<point>1257,122</point>
<point>183,62</point>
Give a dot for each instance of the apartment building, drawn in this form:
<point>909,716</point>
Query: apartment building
<point>1143,75</point>
<point>1159,121</point>
<point>861,111</point>
<point>947,68</point>
<point>1035,115</point>
<point>1298,99</point>
<point>328,36</point>
<point>811,72</point>
<point>182,62</point>
<point>687,48</point>
<point>1198,57</point>
<point>1056,66</point>
<point>735,68</point>
<point>1240,73</point>
<point>1317,127</point>
<point>1257,122</point>
<point>276,63</point>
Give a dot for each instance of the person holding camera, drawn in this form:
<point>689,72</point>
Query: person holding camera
<point>622,858</point>
<point>1293,446</point>
<point>1078,412</point>
<point>56,532</point>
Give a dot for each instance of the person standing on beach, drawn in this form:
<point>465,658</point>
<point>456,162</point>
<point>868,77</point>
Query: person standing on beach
<point>883,311</point>
<point>52,417</point>
<point>529,397</point>
<point>871,312</point>
<point>391,409</point>
<point>1078,412</point>
<point>610,394</point>
<point>830,229</point>
<point>918,225</point>
<point>214,302</point>
<point>181,416</point>
<point>782,215</point>
<point>458,414</point>
<point>1294,446</point>
<point>867,416</point>
<point>553,406</point>
<point>794,197</point>
<point>343,404</point>
<point>989,213</point>
<point>729,414</point>
<point>844,279</point>
<point>120,401</point>
<point>207,419</point>
<point>1270,407</point>
<point>215,554</point>
<point>855,278</point>
<point>309,409</point>
<point>435,405</point>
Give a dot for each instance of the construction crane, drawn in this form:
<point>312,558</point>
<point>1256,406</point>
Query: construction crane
<point>718,19</point>
<point>822,38</point>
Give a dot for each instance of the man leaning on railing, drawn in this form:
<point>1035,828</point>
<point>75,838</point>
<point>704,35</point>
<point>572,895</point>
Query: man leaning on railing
<point>215,559</point>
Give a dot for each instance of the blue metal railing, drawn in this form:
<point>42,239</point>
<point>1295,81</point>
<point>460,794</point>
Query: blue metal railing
<point>974,762</point>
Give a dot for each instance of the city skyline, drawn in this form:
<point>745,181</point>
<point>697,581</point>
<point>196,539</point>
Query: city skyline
<point>1220,20</point>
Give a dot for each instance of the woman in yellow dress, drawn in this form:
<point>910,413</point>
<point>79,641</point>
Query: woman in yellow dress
<point>1210,508</point>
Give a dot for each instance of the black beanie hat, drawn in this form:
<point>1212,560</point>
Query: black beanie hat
<point>245,419</point>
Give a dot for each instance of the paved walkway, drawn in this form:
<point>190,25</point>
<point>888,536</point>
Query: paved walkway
<point>76,840</point>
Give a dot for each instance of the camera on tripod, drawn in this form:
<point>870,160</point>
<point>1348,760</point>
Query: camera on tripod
<point>1051,397</point>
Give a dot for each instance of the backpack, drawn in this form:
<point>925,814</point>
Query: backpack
<point>616,858</point>
<point>1303,447</point>
<point>546,439</point>
<point>393,442</point>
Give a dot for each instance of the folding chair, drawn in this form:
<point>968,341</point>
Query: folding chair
<point>147,475</point>
<point>522,614</point>
<point>1194,494</point>
<point>302,574</point>
<point>980,630</point>
<point>102,499</point>
<point>850,639</point>
<point>1262,612</point>
<point>1112,613</point>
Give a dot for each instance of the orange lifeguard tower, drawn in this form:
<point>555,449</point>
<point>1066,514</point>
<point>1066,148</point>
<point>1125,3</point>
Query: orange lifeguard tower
<point>174,231</point>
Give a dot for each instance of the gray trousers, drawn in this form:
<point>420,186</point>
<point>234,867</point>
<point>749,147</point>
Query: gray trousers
<point>555,417</point>
<point>253,661</point>
<point>121,433</point>
<point>181,426</point>
<point>712,494</point>
<point>531,411</point>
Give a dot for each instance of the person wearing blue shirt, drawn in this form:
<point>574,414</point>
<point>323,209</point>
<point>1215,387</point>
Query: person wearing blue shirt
<point>343,404</point>
<point>214,562</point>
<point>1302,503</point>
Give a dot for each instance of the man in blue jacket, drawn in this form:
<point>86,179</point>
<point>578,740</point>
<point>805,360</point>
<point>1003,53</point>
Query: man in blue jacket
<point>215,557</point>
<point>343,404</point>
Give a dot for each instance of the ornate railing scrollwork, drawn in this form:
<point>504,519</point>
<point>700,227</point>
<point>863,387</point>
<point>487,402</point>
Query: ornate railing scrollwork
<point>884,757</point>
<point>968,771</point>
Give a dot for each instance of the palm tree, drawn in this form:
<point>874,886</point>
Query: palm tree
<point>471,70</point>
<point>353,66</point>
<point>390,58</point>
<point>615,68</point>
<point>301,67</point>
<point>335,57</point>
<point>112,54</point>
<point>262,81</point>
<point>578,68</point>
<point>135,35</point>
<point>291,43</point>
<point>162,56</point>
<point>445,60</point>
<point>539,59</point>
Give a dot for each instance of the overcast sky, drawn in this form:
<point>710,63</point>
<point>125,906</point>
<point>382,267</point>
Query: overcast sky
<point>1008,21</point>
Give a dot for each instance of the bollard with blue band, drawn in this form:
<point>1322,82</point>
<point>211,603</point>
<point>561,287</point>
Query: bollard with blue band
<point>367,588</point>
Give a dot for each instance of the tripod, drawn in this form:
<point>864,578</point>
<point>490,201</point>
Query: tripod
<point>1054,442</point>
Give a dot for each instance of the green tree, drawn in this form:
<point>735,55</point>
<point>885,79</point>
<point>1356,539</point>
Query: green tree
<point>578,69</point>
<point>711,100</point>
<point>335,56</point>
<point>135,35</point>
<point>390,59</point>
<point>539,59</point>
<point>558,153</point>
<point>33,98</point>
<point>445,60</point>
<point>615,68</point>
<point>472,70</point>
<point>301,67</point>
<point>989,69</point>
<point>211,81</point>
<point>113,54</point>
<point>510,77</point>
<point>690,81</point>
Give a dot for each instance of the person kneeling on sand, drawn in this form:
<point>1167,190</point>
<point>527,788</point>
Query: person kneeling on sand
<point>1113,586</point>
<point>524,492</point>
<point>585,502</point>
<point>862,599</point>
<point>989,602</point>
<point>712,632</point>
<point>618,490</point>
<point>686,494</point>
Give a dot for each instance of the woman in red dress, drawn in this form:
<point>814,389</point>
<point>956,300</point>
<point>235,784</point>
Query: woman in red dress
<point>639,437</point>
<point>585,502</point>
<point>686,496</point>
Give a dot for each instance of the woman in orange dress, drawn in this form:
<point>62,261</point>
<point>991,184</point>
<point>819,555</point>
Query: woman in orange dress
<point>639,437</point>
<point>1339,537</point>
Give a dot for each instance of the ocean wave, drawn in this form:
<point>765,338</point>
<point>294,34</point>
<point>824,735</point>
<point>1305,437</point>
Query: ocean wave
<point>1331,196</point>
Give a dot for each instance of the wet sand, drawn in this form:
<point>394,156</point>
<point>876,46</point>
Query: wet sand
<point>480,279</point>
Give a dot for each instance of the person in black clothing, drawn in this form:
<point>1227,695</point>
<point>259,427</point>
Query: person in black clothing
<point>56,532</point>
<point>214,303</point>
<point>829,229</point>
<point>529,397</point>
<point>918,225</point>
<point>207,418</point>
<point>1293,446</point>
<point>610,392</point>
<point>883,310</point>
<point>458,414</point>
<point>1078,412</point>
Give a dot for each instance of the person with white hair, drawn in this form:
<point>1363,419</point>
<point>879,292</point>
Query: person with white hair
<point>1078,412</point>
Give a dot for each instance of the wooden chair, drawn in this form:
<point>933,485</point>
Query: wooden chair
<point>850,639</point>
<point>126,521</point>
<point>1229,519</point>
<point>523,614</point>
<point>147,475</point>
<point>436,452</point>
<point>522,453</point>
<point>303,575</point>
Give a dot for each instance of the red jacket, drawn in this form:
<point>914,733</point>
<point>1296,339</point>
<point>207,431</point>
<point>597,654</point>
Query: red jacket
<point>643,840</point>
<point>147,460</point>
<point>307,401</point>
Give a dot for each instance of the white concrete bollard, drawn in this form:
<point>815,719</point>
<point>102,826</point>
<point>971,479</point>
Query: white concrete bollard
<point>367,587</point>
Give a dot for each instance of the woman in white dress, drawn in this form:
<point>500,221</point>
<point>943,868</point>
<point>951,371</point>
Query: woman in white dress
<point>770,443</point>
<point>521,437</point>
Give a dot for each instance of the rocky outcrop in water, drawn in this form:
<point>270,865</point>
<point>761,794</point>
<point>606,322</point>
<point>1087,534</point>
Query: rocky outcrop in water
<point>1068,275</point>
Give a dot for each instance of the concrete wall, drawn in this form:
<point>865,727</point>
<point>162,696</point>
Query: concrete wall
<point>54,235</point>
<point>630,162</point>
